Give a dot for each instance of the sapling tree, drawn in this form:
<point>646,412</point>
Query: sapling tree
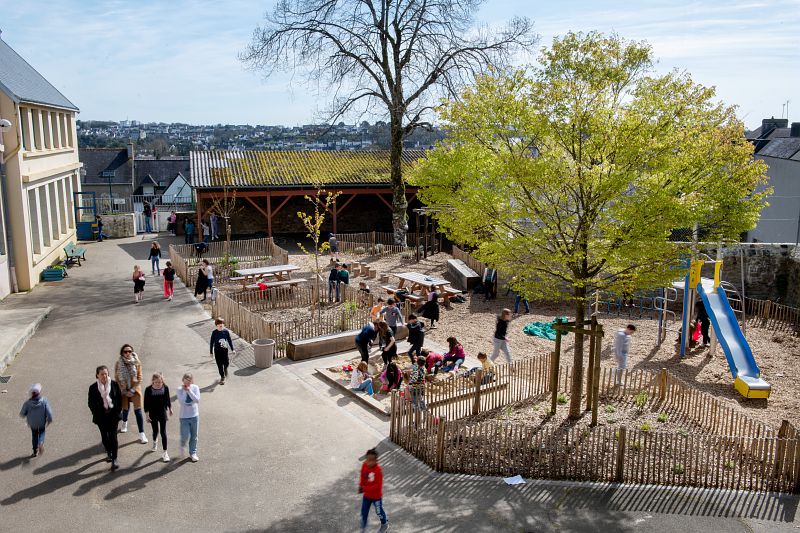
<point>574,173</point>
<point>322,203</point>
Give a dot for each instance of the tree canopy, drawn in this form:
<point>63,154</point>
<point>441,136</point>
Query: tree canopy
<point>573,174</point>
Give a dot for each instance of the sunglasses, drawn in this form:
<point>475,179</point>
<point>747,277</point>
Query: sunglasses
<point>127,351</point>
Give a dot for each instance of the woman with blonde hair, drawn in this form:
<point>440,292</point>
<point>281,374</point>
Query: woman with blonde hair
<point>155,258</point>
<point>138,283</point>
<point>158,407</point>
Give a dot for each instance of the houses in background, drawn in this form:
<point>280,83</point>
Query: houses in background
<point>777,143</point>
<point>40,173</point>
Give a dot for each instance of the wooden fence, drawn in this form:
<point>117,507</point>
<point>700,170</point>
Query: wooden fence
<point>770,315</point>
<point>725,447</point>
<point>297,297</point>
<point>375,243</point>
<point>250,325</point>
<point>470,261</point>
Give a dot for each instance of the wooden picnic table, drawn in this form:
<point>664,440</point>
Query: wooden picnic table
<point>250,275</point>
<point>426,284</point>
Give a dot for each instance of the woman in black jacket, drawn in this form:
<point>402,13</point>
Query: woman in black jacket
<point>158,407</point>
<point>105,402</point>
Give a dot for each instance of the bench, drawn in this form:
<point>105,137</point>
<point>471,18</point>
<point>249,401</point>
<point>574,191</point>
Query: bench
<point>294,282</point>
<point>74,253</point>
<point>416,298</point>
<point>465,277</point>
<point>301,349</point>
<point>237,278</point>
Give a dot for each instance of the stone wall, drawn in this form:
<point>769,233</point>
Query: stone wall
<point>117,226</point>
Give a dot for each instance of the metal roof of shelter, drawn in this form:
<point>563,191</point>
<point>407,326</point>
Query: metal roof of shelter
<point>277,169</point>
<point>22,83</point>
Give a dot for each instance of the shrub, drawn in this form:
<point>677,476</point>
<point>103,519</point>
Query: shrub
<point>562,398</point>
<point>359,250</point>
<point>729,464</point>
<point>610,409</point>
<point>662,417</point>
<point>678,469</point>
<point>645,427</point>
<point>635,444</point>
<point>641,400</point>
<point>379,248</point>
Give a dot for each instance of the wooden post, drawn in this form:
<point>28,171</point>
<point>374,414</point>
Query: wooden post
<point>596,371</point>
<point>440,444</point>
<point>425,248</point>
<point>393,416</point>
<point>416,247</point>
<point>269,214</point>
<point>618,474</point>
<point>780,449</point>
<point>796,488</point>
<point>476,404</point>
<point>373,242</point>
<point>555,363</point>
<point>198,227</point>
<point>590,367</point>
<point>335,213</point>
<point>662,385</point>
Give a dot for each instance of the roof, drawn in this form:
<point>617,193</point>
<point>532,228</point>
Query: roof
<point>22,83</point>
<point>263,169</point>
<point>781,147</point>
<point>97,160</point>
<point>158,170</point>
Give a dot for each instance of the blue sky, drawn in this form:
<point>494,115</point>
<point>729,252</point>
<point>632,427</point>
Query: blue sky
<point>175,60</point>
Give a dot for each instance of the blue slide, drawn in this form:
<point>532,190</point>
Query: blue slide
<point>737,351</point>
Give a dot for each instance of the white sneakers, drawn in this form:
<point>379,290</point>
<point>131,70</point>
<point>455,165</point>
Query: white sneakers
<point>124,428</point>
<point>165,457</point>
<point>195,458</point>
<point>142,438</point>
<point>155,445</point>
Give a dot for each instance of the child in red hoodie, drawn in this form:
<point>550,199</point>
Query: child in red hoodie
<point>370,484</point>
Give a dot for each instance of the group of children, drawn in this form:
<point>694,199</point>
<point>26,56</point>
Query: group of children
<point>167,275</point>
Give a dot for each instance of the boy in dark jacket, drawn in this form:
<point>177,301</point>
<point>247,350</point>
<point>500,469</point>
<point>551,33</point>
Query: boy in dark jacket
<point>220,344</point>
<point>333,282</point>
<point>38,414</point>
<point>370,485</point>
<point>416,336</point>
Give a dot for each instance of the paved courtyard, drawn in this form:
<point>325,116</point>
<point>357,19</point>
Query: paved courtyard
<point>279,450</point>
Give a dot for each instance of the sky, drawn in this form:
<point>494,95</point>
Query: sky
<point>176,60</point>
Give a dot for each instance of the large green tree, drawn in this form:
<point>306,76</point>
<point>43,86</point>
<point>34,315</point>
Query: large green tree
<point>573,174</point>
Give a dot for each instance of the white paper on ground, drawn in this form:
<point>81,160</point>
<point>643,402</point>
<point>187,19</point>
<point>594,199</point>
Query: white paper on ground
<point>514,480</point>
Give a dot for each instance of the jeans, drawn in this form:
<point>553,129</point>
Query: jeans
<point>147,225</point>
<point>417,398</point>
<point>333,285</point>
<point>108,434</point>
<point>205,238</point>
<point>155,425</point>
<point>365,385</point>
<point>189,433</point>
<point>452,362</point>
<point>517,300</point>
<point>139,418</point>
<point>154,265</point>
<point>211,284</point>
<point>366,503</point>
<point>185,236</point>
<point>501,345</point>
<point>414,352</point>
<point>37,437</point>
<point>221,357</point>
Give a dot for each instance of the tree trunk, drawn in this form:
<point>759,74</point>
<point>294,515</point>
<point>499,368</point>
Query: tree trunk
<point>227,249</point>
<point>399,203</point>
<point>576,390</point>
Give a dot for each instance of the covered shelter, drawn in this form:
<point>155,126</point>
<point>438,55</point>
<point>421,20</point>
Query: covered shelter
<point>270,187</point>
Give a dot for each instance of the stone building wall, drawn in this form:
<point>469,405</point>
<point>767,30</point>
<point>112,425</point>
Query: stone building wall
<point>117,226</point>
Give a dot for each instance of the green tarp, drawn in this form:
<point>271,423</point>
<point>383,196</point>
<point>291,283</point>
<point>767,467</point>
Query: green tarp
<point>543,329</point>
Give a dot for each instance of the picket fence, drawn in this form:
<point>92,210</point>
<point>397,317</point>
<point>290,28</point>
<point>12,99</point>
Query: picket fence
<point>371,243</point>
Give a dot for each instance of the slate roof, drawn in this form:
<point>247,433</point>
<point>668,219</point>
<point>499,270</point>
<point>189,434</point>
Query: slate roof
<point>159,170</point>
<point>97,160</point>
<point>275,168</point>
<point>781,147</point>
<point>22,83</point>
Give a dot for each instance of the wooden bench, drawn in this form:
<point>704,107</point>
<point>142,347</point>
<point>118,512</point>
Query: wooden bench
<point>301,349</point>
<point>74,253</point>
<point>294,282</point>
<point>237,278</point>
<point>416,298</point>
<point>465,277</point>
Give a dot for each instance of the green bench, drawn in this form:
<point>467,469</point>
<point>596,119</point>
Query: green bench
<point>74,253</point>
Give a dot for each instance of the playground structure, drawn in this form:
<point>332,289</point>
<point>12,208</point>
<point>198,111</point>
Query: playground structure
<point>712,293</point>
<point>654,305</point>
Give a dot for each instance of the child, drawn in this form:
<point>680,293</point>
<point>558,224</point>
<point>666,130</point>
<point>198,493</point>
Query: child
<point>138,283</point>
<point>500,339</point>
<point>334,246</point>
<point>38,414</point>
<point>455,356</point>
<point>486,365</point>
<point>360,380</point>
<point>416,384</point>
<point>389,350</point>
<point>393,316</point>
<point>157,405</point>
<point>208,270</point>
<point>219,345</point>
<point>375,312</point>
<point>169,281</point>
<point>100,235</point>
<point>344,278</point>
<point>363,293</point>
<point>370,485</point>
<point>333,282</point>
<point>391,377</point>
<point>189,398</point>
<point>433,361</point>
<point>155,258</point>
<point>416,336</point>
<point>622,345</point>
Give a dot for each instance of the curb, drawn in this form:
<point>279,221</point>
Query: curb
<point>370,403</point>
<point>11,353</point>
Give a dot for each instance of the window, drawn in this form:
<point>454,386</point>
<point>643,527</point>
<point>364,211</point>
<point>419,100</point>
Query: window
<point>107,173</point>
<point>36,119</point>
<point>33,215</point>
<point>24,116</point>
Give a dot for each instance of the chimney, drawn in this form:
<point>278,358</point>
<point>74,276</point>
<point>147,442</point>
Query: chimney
<point>795,131</point>
<point>769,124</point>
<point>130,150</point>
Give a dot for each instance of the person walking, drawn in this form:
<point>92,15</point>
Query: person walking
<point>169,281</point>
<point>392,315</point>
<point>490,283</point>
<point>214,219</point>
<point>37,413</point>
<point>147,211</point>
<point>172,223</point>
<point>333,282</point>
<point>333,244</point>
<point>206,231</point>
<point>220,345</point>
<point>201,286</point>
<point>189,399</point>
<point>209,272</point>
<point>500,339</point>
<point>158,408</point>
<point>100,235</point>
<point>416,336</point>
<point>155,258</point>
<point>105,400</point>
<point>190,227</point>
<point>622,345</point>
<point>370,486</point>
<point>128,373</point>
<point>430,309</point>
<point>364,340</point>
<point>389,350</point>
<point>138,283</point>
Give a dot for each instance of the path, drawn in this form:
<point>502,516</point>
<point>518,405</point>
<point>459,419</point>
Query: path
<point>279,450</point>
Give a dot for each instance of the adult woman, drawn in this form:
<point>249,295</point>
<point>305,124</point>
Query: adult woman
<point>389,351</point>
<point>202,282</point>
<point>172,220</point>
<point>105,400</point>
<point>430,309</point>
<point>189,398</point>
<point>155,258</point>
<point>455,355</point>
<point>157,405</point>
<point>128,372</point>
